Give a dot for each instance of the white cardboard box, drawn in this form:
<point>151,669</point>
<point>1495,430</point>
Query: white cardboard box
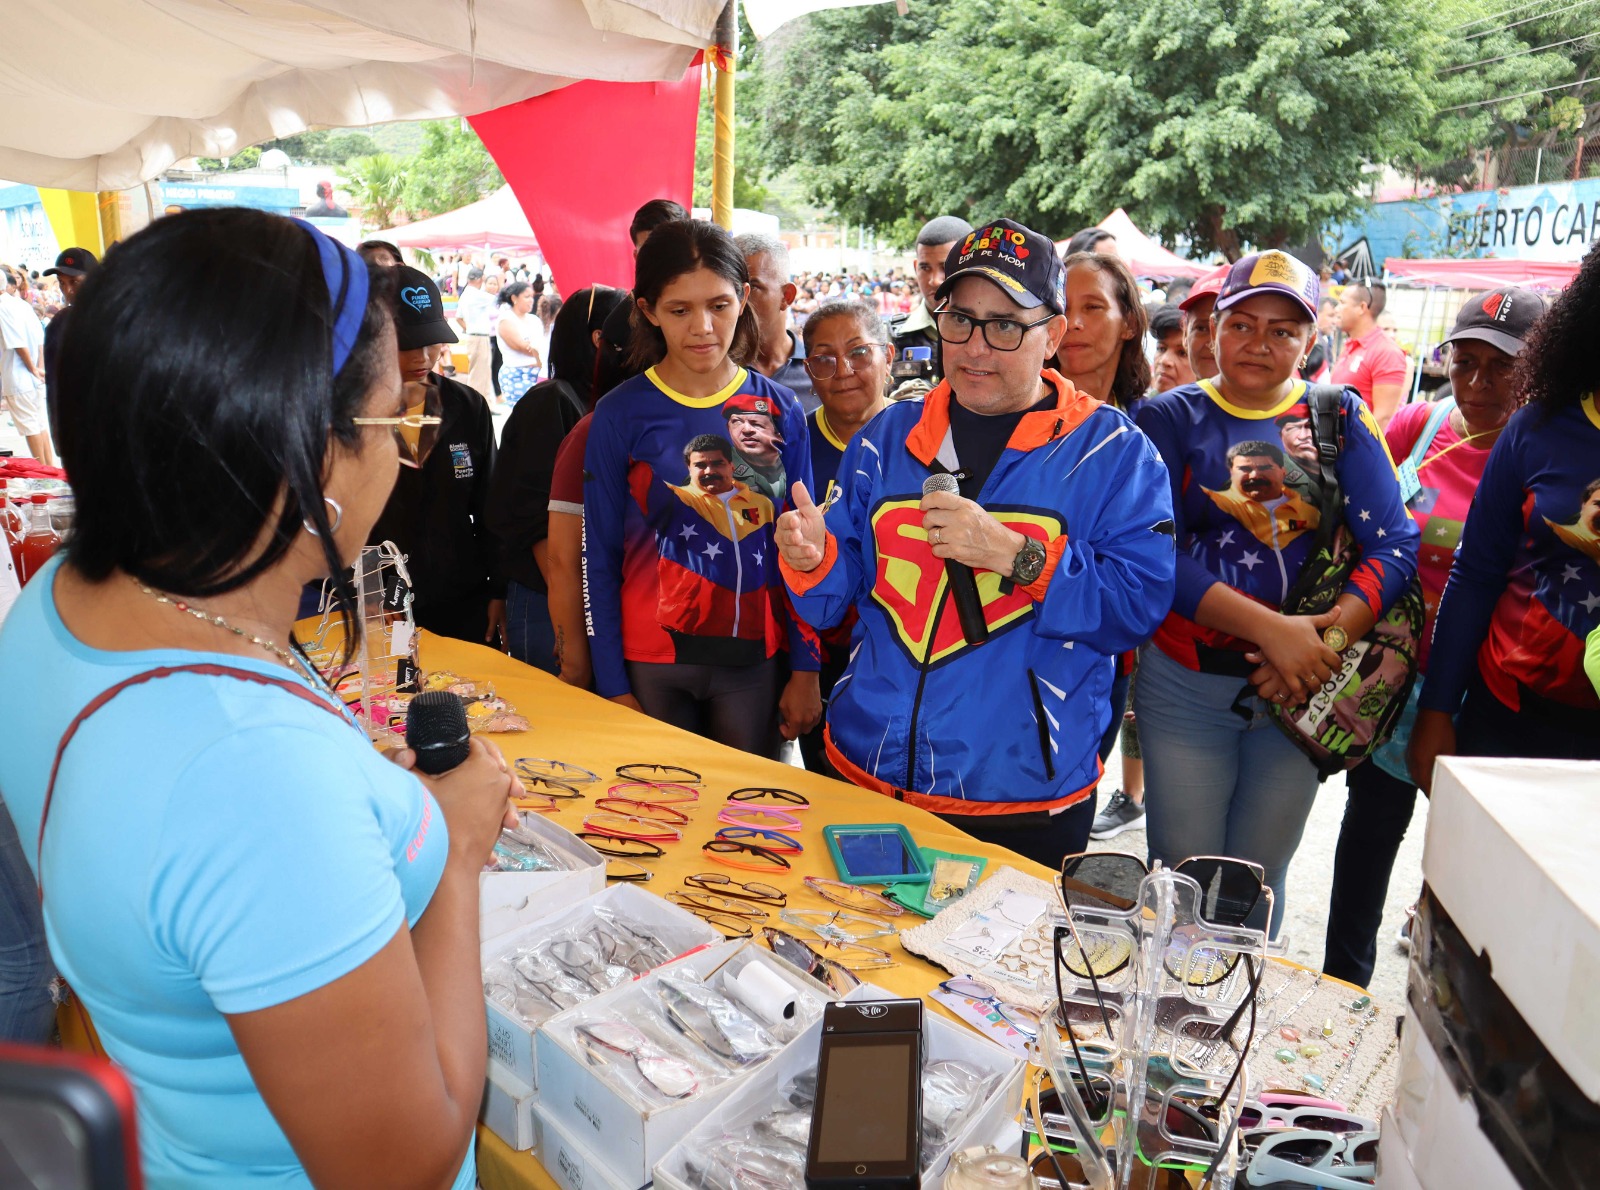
<point>511,1039</point>
<point>1525,892</point>
<point>589,1108</point>
<point>571,1163</point>
<point>508,1109</point>
<point>509,900</point>
<point>995,1123</point>
<point>1430,1137</point>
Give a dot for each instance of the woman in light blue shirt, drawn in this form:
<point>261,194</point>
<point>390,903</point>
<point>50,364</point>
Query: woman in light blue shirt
<point>273,927</point>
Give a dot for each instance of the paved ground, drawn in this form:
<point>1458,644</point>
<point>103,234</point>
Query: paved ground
<point>1311,878</point>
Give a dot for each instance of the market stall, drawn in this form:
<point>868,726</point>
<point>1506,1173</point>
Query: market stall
<point>1342,1040</point>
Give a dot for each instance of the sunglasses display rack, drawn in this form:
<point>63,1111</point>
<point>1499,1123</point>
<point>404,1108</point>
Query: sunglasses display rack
<point>561,960</point>
<point>629,1072</point>
<point>970,1091</point>
<point>1157,977</point>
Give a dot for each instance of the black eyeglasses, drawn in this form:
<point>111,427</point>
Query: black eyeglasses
<point>826,367</point>
<point>1002,334</point>
<point>762,793</point>
<point>655,773</point>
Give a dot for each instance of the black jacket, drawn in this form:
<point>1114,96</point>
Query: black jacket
<point>519,494</point>
<point>436,513</point>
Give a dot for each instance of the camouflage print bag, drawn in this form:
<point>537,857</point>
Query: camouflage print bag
<point>1353,713</point>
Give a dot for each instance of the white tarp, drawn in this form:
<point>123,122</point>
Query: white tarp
<point>105,94</point>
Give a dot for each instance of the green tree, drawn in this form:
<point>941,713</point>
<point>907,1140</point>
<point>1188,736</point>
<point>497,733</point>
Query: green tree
<point>246,158</point>
<point>1485,87</point>
<point>377,184</point>
<point>450,170</point>
<point>747,165</point>
<point>1230,122</point>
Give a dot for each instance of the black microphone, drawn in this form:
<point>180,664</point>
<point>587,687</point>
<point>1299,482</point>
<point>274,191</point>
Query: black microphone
<point>963,587</point>
<point>436,730</point>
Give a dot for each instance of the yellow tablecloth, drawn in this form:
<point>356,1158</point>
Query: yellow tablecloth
<point>581,728</point>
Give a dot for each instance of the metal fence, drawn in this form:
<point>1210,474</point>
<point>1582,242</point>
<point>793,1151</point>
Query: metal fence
<point>1563,161</point>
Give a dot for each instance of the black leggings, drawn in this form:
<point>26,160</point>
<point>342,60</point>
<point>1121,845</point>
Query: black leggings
<point>736,705</point>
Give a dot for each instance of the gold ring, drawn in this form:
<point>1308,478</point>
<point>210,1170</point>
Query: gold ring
<point>937,540</point>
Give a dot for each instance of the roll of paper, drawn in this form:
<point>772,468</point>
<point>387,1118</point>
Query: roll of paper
<point>763,991</point>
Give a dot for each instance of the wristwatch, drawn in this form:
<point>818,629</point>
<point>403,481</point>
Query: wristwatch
<point>1336,638</point>
<point>1028,565</point>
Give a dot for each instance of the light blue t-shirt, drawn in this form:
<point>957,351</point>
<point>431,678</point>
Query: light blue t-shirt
<point>214,846</point>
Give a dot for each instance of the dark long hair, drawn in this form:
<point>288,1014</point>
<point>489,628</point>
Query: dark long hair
<point>1132,380</point>
<point>511,292</point>
<point>1558,365</point>
<point>197,402</point>
<point>572,349</point>
<point>674,249</point>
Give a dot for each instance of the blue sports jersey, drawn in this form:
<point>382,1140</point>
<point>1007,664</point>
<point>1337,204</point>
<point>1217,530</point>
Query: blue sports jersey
<point>1247,494</point>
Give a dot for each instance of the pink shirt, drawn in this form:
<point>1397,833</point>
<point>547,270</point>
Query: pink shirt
<point>1369,361</point>
<point>1449,475</point>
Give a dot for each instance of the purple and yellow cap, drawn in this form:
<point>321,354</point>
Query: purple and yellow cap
<point>1271,272</point>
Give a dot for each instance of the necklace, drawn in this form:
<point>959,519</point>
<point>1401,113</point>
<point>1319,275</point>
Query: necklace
<point>283,654</point>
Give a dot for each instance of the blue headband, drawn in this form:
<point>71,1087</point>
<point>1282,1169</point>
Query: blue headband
<point>345,274</point>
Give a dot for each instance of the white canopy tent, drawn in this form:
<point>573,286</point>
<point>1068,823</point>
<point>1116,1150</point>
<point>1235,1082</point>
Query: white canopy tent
<point>106,94</point>
<point>489,225</point>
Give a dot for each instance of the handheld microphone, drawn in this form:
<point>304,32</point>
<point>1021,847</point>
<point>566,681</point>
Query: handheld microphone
<point>963,586</point>
<point>436,730</point>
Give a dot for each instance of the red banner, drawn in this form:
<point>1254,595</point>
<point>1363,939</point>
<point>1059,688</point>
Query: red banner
<point>582,159</point>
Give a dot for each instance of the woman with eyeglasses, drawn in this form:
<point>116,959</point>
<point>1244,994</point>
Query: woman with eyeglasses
<point>1506,676</point>
<point>848,356</point>
<point>275,930</point>
<point>686,469</point>
<point>1221,778</point>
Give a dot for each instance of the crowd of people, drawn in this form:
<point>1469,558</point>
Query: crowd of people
<point>956,546</point>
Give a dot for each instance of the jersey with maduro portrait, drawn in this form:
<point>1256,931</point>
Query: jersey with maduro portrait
<point>1247,489</point>
<point>1524,592</point>
<point>679,559</point>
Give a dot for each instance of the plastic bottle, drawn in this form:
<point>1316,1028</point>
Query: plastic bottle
<point>10,518</point>
<point>39,542</point>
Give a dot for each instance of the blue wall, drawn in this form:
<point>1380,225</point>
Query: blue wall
<point>1547,222</point>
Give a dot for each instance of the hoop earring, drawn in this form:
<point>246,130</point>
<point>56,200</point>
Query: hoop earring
<point>338,518</point>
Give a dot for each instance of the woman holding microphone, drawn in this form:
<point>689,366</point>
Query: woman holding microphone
<point>276,931</point>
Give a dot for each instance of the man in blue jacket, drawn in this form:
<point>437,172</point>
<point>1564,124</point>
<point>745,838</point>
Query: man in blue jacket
<point>1064,518</point>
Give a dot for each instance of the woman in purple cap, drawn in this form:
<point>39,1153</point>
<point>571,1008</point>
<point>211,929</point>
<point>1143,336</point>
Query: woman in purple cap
<point>1220,777</point>
<point>1443,448</point>
<point>274,928</point>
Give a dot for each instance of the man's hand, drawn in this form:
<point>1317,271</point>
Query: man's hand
<point>497,625</point>
<point>1432,736</point>
<point>962,529</point>
<point>800,708</point>
<point>802,532</point>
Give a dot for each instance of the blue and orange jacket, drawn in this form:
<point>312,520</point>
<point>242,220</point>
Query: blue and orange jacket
<point>671,573</point>
<point>1011,725</point>
<point>1254,532</point>
<point>1524,592</point>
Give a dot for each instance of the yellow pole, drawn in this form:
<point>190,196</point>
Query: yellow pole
<point>110,217</point>
<point>73,217</point>
<point>724,55</point>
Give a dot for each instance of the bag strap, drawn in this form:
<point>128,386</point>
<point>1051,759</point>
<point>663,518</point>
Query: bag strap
<point>1324,403</point>
<point>205,669</point>
<point>1430,430</point>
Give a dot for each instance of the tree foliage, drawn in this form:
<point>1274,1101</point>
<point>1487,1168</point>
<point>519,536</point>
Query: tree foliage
<point>1225,121</point>
<point>450,170</point>
<point>1489,60</point>
<point>748,192</point>
<point>377,184</point>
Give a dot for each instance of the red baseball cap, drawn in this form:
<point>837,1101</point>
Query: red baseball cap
<point>1208,286</point>
<point>749,403</point>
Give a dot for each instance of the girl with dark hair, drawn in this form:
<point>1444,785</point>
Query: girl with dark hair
<point>519,336</point>
<point>519,511</point>
<point>1505,676</point>
<point>271,877</point>
<point>1103,352</point>
<point>689,627</point>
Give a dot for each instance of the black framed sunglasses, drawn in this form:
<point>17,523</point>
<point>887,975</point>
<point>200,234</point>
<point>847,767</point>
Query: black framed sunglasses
<point>768,793</point>
<point>1002,334</point>
<point>673,773</point>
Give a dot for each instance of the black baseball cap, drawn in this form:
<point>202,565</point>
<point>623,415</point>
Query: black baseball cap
<point>419,311</point>
<point>74,262</point>
<point>1499,317</point>
<point>1018,260</point>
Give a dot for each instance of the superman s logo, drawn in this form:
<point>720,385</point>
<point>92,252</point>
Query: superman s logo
<point>910,582</point>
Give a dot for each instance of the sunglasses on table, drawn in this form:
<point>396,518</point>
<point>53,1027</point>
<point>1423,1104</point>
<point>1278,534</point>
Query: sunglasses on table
<point>568,776</point>
<point>800,955</point>
<point>752,857</point>
<point>620,847</point>
<point>746,890</point>
<point>660,792</point>
<point>672,1077</point>
<point>657,773</point>
<point>853,896</point>
<point>768,793</point>
<point>635,808</point>
<point>1326,1160</point>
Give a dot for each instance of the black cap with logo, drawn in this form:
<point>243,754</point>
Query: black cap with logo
<point>419,311</point>
<point>74,262</point>
<point>1499,317</point>
<point>1018,260</point>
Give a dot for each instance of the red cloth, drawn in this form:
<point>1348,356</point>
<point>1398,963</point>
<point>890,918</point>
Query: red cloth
<point>28,469</point>
<point>1369,361</point>
<point>582,159</point>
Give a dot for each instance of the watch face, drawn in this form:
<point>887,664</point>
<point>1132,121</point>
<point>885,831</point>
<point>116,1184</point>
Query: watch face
<point>1029,563</point>
<point>1336,638</point>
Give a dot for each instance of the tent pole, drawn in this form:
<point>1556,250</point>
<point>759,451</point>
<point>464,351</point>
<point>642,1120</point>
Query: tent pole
<point>724,55</point>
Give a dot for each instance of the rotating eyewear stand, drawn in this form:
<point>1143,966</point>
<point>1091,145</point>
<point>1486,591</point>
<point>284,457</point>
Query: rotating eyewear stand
<point>1175,995</point>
